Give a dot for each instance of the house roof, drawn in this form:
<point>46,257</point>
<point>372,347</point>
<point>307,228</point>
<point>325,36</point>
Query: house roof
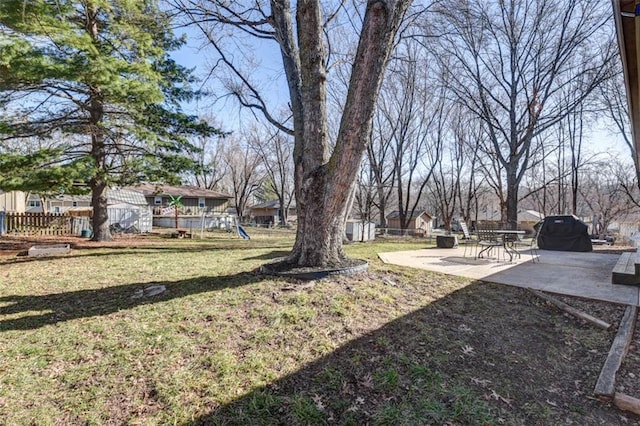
<point>114,196</point>
<point>529,216</point>
<point>273,204</point>
<point>65,197</point>
<point>186,191</point>
<point>396,214</point>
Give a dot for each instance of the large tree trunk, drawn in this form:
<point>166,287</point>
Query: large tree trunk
<point>283,212</point>
<point>322,182</point>
<point>512,202</point>
<point>100,218</point>
<point>320,227</point>
<point>98,184</point>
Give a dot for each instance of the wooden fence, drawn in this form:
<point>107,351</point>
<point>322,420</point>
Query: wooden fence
<point>38,224</point>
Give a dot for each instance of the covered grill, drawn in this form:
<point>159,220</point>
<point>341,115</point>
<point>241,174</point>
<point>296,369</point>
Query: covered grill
<point>563,233</point>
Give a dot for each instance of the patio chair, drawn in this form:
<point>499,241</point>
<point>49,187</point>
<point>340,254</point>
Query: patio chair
<point>488,239</point>
<point>514,241</point>
<point>533,245</point>
<point>467,239</point>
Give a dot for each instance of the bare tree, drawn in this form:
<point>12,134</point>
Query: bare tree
<point>615,105</point>
<point>541,180</point>
<point>414,117</point>
<point>471,180</point>
<point>512,61</point>
<point>244,172</point>
<point>447,176</point>
<point>211,168</point>
<point>554,179</point>
<point>380,165</point>
<point>575,127</point>
<point>365,197</point>
<point>604,192</point>
<point>324,176</point>
<point>275,150</point>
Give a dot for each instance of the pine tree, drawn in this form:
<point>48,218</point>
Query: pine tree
<point>95,76</point>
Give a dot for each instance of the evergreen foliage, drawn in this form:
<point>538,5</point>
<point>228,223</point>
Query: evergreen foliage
<point>57,58</point>
<point>94,79</point>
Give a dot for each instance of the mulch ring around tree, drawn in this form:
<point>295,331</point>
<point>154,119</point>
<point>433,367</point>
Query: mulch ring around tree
<point>282,268</point>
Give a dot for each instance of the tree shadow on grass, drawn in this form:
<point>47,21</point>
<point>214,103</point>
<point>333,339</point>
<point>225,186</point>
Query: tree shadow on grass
<point>275,254</point>
<point>486,354</point>
<point>88,252</point>
<point>60,307</point>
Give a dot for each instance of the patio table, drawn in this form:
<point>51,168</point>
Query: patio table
<point>505,239</point>
<point>509,237</point>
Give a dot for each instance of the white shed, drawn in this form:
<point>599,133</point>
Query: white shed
<point>129,208</point>
<point>358,230</point>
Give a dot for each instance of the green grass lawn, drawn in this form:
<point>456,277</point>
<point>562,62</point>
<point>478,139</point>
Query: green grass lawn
<point>225,345</point>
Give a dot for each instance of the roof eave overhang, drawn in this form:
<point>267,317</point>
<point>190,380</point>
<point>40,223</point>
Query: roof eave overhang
<point>626,15</point>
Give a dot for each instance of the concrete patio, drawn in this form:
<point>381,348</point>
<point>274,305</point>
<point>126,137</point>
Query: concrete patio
<point>585,275</point>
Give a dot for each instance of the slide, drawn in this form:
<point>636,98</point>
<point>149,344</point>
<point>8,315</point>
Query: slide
<point>243,233</point>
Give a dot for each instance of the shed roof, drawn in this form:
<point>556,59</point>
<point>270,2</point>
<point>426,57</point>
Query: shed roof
<point>529,216</point>
<point>273,204</point>
<point>396,214</point>
<point>114,196</point>
<point>126,196</point>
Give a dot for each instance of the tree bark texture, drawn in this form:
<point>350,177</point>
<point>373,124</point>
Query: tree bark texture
<point>98,184</point>
<point>324,179</point>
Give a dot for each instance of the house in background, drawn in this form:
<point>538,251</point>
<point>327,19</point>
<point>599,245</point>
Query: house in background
<point>201,208</point>
<point>125,207</point>
<point>420,223</point>
<point>58,203</point>
<point>195,200</point>
<point>269,214</point>
<point>526,219</point>
<point>13,201</point>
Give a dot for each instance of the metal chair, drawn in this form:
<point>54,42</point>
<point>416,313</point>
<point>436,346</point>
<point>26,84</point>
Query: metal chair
<point>533,245</point>
<point>514,241</point>
<point>467,239</point>
<point>488,239</point>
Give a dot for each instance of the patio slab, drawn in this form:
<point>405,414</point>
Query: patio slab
<point>585,275</point>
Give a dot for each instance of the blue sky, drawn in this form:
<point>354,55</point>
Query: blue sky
<point>231,117</point>
<point>227,110</point>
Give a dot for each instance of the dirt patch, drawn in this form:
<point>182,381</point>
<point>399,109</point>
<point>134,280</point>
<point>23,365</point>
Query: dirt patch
<point>285,269</point>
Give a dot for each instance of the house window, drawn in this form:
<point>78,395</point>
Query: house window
<point>34,203</point>
<point>74,204</point>
<point>201,203</point>
<point>56,209</point>
<point>157,200</point>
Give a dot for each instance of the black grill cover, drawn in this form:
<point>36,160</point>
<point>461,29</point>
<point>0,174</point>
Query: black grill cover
<point>564,233</point>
